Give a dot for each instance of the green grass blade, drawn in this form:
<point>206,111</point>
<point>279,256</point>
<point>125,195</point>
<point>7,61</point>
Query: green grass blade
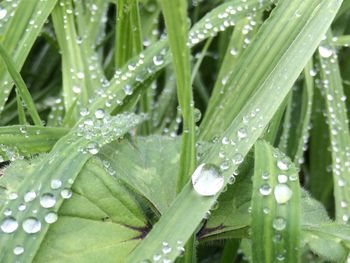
<point>22,30</point>
<point>130,76</point>
<point>175,15</point>
<point>30,140</point>
<point>332,88</point>
<point>21,114</point>
<point>342,41</point>
<point>21,86</point>
<point>189,208</point>
<point>275,207</point>
<point>63,163</point>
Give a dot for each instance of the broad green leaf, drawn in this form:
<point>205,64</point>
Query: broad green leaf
<point>63,164</point>
<point>150,167</point>
<point>304,27</point>
<point>276,224</point>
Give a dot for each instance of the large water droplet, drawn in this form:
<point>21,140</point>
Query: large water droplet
<point>282,193</point>
<point>18,250</point>
<point>207,180</point>
<point>47,200</point>
<point>9,225</point>
<point>31,225</point>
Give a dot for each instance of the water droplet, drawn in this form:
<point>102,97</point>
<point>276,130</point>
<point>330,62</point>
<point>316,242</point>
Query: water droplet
<point>283,165</point>
<point>242,133</point>
<point>157,257</point>
<point>12,196</point>
<point>9,225</point>
<point>237,159</point>
<point>29,196</point>
<point>92,148</point>
<point>3,13</point>
<point>325,52</point>
<point>158,60</point>
<point>265,189</point>
<point>66,193</point>
<point>282,178</point>
<point>207,180</point>
<point>56,184</point>
<point>282,193</point>
<point>51,217</point>
<point>127,90</point>
<point>31,225</point>
<point>99,114</point>
<point>18,250</point>
<point>279,223</point>
<point>265,175</point>
<point>47,200</point>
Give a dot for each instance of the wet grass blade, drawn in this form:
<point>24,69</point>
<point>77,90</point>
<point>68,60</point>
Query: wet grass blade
<point>23,28</point>
<point>175,15</point>
<point>333,92</point>
<point>21,86</point>
<point>301,36</point>
<point>275,207</point>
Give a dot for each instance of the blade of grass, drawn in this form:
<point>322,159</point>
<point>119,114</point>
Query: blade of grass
<point>22,30</point>
<point>21,114</point>
<point>175,15</point>
<point>332,89</point>
<point>304,33</point>
<point>21,86</point>
<point>275,207</point>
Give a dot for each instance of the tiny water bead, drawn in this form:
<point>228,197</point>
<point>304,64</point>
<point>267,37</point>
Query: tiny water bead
<point>18,250</point>
<point>31,225</point>
<point>99,114</point>
<point>47,200</point>
<point>207,180</point>
<point>282,178</point>
<point>282,193</point>
<point>9,225</point>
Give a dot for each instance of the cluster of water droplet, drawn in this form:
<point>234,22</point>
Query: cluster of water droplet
<point>163,255</point>
<point>10,153</point>
<point>100,128</point>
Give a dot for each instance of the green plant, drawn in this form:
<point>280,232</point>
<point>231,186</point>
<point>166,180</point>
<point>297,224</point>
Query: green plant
<point>162,131</point>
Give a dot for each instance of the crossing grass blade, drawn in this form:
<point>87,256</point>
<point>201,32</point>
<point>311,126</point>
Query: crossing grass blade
<point>300,37</point>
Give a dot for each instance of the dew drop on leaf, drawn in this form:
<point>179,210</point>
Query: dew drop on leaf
<point>31,225</point>
<point>9,225</point>
<point>265,189</point>
<point>56,184</point>
<point>29,196</point>
<point>18,250</point>
<point>47,200</point>
<point>325,52</point>
<point>66,193</point>
<point>51,217</point>
<point>282,193</point>
<point>283,165</point>
<point>279,223</point>
<point>207,180</point>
